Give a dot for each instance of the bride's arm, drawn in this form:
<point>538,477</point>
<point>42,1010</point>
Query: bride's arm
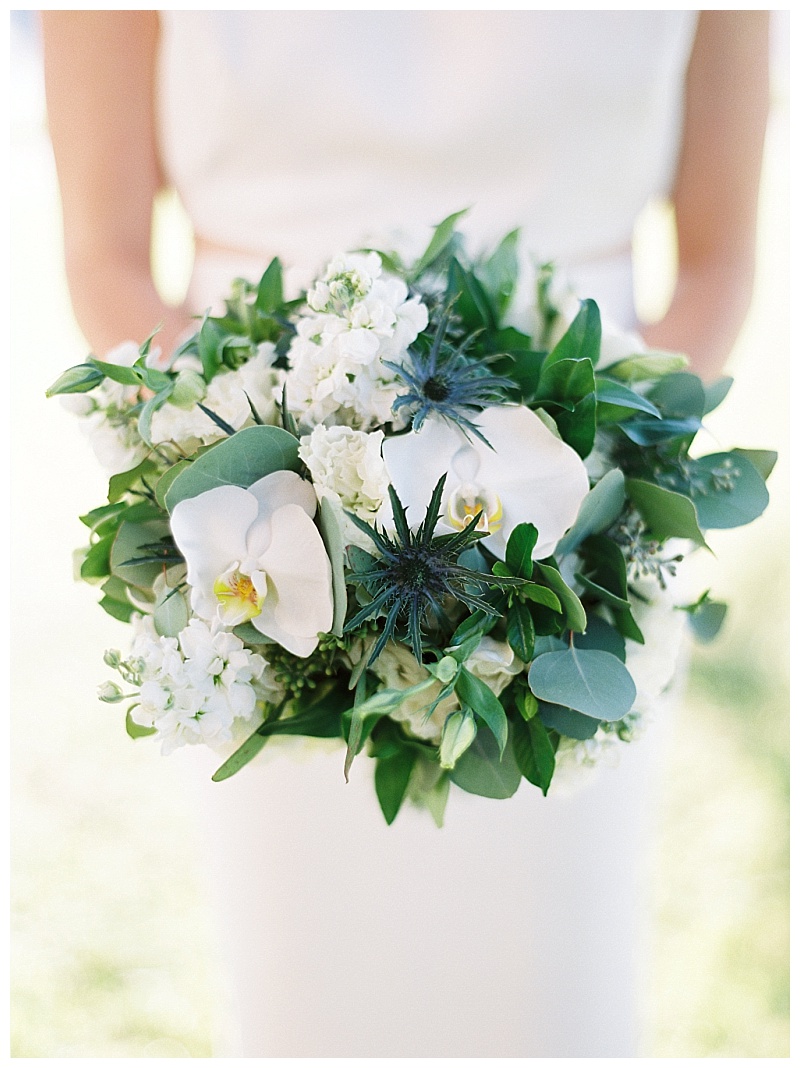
<point>100,82</point>
<point>716,189</point>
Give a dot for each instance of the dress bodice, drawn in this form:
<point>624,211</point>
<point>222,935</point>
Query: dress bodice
<point>300,133</point>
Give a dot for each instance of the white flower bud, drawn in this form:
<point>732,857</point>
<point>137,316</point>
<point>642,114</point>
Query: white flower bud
<point>112,657</point>
<point>110,693</point>
<point>458,735</point>
<point>190,388</point>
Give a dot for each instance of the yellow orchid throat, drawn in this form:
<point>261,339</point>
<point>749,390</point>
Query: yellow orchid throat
<point>241,597</point>
<point>468,501</point>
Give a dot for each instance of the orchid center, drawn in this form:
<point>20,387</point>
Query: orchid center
<point>240,596</point>
<point>469,501</point>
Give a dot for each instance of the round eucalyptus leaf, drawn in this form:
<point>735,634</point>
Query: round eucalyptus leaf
<point>481,771</point>
<point>591,681</point>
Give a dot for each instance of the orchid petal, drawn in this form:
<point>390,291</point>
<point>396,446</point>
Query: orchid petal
<point>537,477</point>
<point>273,492</point>
<point>211,532</point>
<point>300,573</point>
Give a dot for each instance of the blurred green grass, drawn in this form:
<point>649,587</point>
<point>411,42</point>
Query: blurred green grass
<point>113,952</point>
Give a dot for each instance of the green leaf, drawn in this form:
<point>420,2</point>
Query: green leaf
<point>104,516</point>
<point>613,395</point>
<point>534,752</point>
<point>500,271</point>
<point>566,382</point>
<point>122,610</point>
<point>763,460</point>
<point>392,777</point>
<point>96,563</point>
<point>249,634</point>
<point>519,549</point>
<point>567,721</point>
<point>647,367</point>
<point>482,771</point>
<point>570,602</point>
<point>598,510</point>
<point>439,242</point>
<point>582,338</point>
<point>649,431</point>
<point>240,460</point>
<point>601,593</point>
<point>589,680</point>
<point>521,632</point>
<point>151,406</point>
<point>667,514</point>
<point>679,396</point>
<point>269,296</point>
<point>474,626</point>
<point>706,620</point>
<point>334,546</point>
<point>79,379</point>
<point>472,304</point>
<point>716,393</point>
<point>475,694</point>
<point>723,508</point>
<point>119,484</point>
<point>134,730</point>
<point>127,376</point>
<point>578,427</point>
<point>527,705</point>
<point>601,635</point>
<point>127,546</point>
<point>171,614</point>
<point>537,594</point>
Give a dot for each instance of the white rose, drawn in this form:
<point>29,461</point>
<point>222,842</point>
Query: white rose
<point>495,663</point>
<point>397,668</point>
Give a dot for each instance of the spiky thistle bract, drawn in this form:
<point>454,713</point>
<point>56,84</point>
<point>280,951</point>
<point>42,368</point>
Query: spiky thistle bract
<point>444,380</point>
<point>415,571</point>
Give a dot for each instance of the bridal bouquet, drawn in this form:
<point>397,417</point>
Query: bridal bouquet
<point>417,507</point>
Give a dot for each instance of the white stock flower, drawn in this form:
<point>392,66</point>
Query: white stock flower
<point>194,687</point>
<point>495,663</point>
<point>227,396</point>
<point>398,669</point>
<point>347,464</point>
<point>529,476</point>
<point>357,319</point>
<point>255,554</point>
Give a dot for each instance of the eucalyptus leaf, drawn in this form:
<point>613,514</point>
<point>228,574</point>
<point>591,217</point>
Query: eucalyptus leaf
<point>118,485</point>
<point>763,460</point>
<point>738,499</point>
<point>598,510</point>
<point>240,460</point>
<point>716,393</point>
<point>707,619</point>
<point>127,546</point>
<point>171,613</point>
<point>667,514</point>
<point>250,634</point>
<point>601,635</point>
<point>567,721</point>
<point>679,396</point>
<point>334,546</point>
<point>591,681</point>
<point>480,770</point>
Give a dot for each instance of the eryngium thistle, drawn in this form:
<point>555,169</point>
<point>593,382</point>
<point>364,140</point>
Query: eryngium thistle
<point>415,571</point>
<point>445,381</point>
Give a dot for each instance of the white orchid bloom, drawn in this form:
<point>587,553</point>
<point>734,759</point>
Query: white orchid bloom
<point>529,476</point>
<point>255,554</point>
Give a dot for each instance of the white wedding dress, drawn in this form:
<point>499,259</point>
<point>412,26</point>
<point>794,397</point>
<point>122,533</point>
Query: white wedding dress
<point>515,930</point>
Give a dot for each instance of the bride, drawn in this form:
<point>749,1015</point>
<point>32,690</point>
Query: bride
<point>515,931</point>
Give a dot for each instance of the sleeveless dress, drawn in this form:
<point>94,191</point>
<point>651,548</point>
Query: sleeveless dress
<point>515,930</point>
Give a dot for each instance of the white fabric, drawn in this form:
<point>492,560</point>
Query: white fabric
<point>513,931</point>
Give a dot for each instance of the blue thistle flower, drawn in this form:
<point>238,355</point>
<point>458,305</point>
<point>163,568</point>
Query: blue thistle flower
<point>415,571</point>
<point>445,381</point>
